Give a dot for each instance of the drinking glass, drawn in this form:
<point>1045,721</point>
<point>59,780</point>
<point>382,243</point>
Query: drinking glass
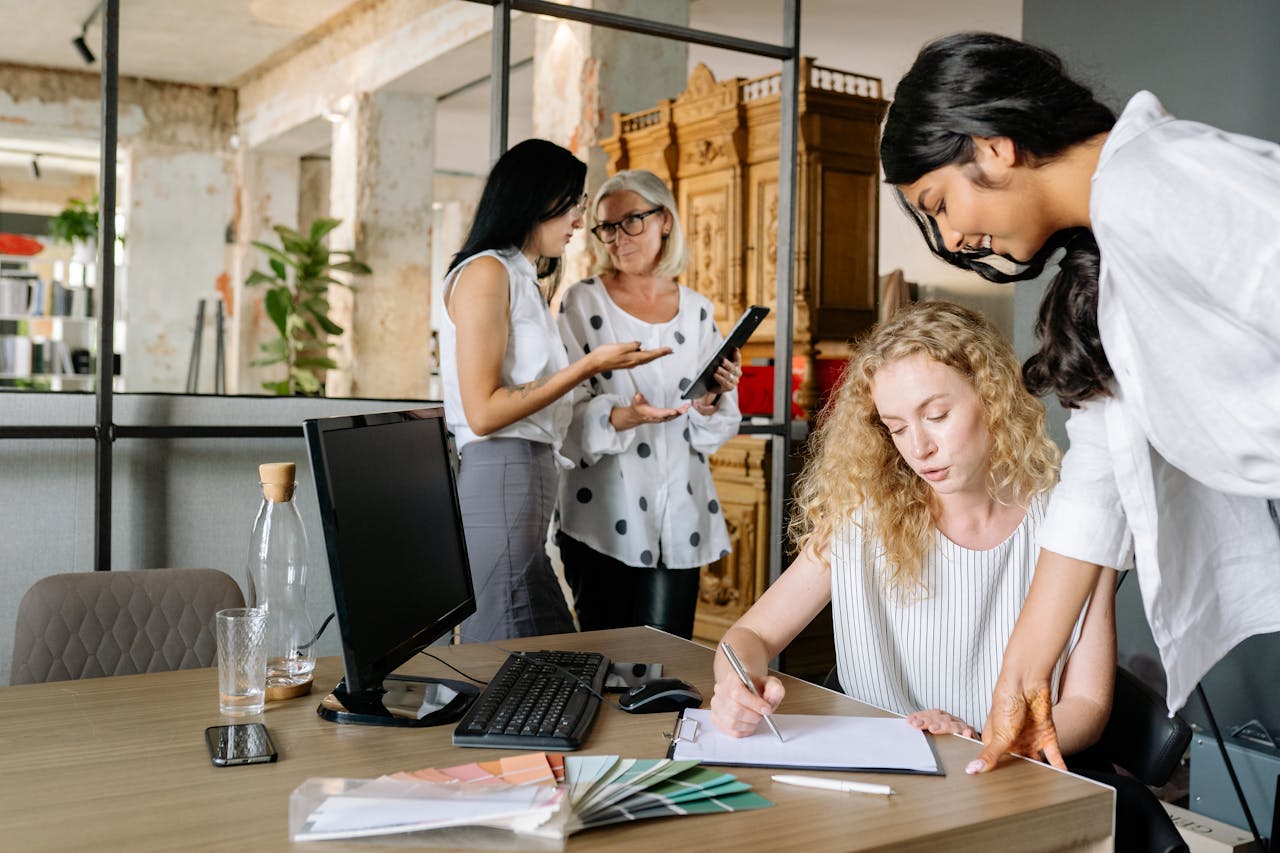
<point>242,660</point>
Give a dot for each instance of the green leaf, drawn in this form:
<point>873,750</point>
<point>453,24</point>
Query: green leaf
<point>307,382</point>
<point>326,363</point>
<point>267,362</point>
<point>277,267</point>
<point>288,235</point>
<point>275,347</point>
<point>316,305</point>
<point>273,252</point>
<point>259,277</point>
<point>280,388</point>
<point>279,305</point>
<point>328,325</point>
<point>354,267</point>
<point>321,227</point>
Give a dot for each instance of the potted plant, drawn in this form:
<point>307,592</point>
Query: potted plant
<point>77,224</point>
<point>297,302</point>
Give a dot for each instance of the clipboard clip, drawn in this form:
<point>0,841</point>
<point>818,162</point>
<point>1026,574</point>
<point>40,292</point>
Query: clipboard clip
<point>686,730</point>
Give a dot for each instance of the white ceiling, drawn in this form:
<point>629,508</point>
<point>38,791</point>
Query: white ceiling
<point>183,41</point>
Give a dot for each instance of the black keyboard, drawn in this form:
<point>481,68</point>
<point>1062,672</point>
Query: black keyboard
<point>531,705</point>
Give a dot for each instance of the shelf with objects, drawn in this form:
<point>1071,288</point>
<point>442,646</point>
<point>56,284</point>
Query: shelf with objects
<point>48,321</point>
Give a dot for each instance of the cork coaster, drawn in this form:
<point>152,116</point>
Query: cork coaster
<point>292,691</point>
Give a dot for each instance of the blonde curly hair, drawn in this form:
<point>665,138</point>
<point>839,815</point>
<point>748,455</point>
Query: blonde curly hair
<point>855,468</point>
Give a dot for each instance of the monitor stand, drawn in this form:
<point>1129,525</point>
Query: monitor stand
<point>402,700</point>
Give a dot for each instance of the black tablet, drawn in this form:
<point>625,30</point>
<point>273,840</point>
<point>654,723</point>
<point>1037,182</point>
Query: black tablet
<point>747,323</point>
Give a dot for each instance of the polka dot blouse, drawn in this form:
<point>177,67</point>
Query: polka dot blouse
<point>644,496</point>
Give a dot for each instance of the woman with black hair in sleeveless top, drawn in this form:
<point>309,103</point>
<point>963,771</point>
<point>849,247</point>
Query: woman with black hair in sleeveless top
<point>506,382</point>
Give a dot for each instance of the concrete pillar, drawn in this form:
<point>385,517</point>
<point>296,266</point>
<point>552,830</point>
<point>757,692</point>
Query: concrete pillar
<point>180,209</point>
<point>313,188</point>
<point>268,195</point>
<point>382,163</point>
<point>583,75</point>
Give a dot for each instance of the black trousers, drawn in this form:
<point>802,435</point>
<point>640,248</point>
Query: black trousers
<point>610,594</point>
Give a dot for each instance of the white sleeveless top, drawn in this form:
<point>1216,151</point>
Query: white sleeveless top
<point>534,351</point>
<point>943,650</point>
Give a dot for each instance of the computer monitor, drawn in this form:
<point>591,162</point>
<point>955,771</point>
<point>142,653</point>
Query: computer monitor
<point>397,558</point>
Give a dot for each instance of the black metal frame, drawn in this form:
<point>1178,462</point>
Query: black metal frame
<point>103,431</point>
<point>780,427</point>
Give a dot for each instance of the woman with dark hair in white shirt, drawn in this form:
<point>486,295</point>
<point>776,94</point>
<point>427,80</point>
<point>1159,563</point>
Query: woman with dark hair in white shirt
<point>1158,330</point>
<point>506,384</point>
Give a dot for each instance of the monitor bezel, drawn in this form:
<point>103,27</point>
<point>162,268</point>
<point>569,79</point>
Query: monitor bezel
<point>365,676</point>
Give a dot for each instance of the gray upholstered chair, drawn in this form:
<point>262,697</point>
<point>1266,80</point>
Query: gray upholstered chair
<point>90,624</point>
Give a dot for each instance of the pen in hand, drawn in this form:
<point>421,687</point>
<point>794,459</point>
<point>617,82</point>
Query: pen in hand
<point>741,672</point>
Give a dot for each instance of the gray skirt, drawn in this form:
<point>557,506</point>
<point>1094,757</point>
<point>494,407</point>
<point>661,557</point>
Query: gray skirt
<point>507,491</point>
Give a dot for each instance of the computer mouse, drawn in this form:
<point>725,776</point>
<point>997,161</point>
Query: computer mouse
<point>662,695</point>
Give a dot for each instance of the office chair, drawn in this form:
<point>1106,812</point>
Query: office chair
<point>1140,736</point>
<point>91,624</point>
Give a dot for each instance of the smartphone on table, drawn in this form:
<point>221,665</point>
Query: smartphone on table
<point>239,743</point>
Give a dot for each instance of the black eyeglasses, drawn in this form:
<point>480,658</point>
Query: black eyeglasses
<point>631,225</point>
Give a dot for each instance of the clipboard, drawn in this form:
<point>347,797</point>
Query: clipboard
<point>738,335</point>
<point>812,742</point>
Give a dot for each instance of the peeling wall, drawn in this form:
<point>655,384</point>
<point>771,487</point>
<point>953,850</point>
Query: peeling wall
<point>53,103</point>
<point>179,210</point>
<point>372,49</point>
<point>382,182</point>
<point>267,195</point>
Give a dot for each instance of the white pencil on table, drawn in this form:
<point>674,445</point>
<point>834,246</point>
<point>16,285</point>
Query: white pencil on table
<point>834,784</point>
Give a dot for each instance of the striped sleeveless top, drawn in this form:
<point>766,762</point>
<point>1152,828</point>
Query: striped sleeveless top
<point>943,648</point>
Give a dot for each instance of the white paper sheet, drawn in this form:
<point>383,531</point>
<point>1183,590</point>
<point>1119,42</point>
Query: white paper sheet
<point>388,806</point>
<point>816,742</point>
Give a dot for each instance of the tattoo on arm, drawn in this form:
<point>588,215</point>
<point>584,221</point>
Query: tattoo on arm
<point>523,391</point>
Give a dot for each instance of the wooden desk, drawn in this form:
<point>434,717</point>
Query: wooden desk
<point>120,764</point>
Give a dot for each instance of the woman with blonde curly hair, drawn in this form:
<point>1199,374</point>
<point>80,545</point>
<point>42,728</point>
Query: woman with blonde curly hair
<point>916,518</point>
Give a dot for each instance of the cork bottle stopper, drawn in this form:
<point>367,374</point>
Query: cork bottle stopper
<point>277,480</point>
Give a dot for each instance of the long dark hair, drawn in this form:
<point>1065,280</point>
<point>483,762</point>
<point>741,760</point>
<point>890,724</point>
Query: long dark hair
<point>532,182</point>
<point>986,85</point>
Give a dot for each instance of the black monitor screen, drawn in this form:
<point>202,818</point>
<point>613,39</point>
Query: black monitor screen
<point>393,530</point>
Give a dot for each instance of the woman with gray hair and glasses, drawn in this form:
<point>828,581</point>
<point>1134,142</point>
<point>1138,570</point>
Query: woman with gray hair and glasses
<point>639,514</point>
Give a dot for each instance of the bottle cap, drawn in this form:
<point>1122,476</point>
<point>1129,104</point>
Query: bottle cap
<point>277,480</point>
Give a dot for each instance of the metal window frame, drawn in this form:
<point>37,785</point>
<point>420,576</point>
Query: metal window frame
<point>780,428</point>
<point>103,431</point>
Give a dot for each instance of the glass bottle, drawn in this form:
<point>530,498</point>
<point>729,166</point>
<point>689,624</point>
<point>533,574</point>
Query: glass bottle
<point>277,582</point>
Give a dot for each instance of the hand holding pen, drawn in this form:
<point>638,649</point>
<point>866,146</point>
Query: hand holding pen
<point>731,710</point>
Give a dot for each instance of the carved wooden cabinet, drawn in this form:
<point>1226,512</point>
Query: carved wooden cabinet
<point>731,584</point>
<point>716,145</point>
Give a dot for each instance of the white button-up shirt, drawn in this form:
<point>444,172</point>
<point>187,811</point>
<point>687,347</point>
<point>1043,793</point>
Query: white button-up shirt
<point>1176,466</point>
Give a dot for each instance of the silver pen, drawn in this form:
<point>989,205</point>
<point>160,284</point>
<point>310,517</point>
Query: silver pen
<point>738,668</point>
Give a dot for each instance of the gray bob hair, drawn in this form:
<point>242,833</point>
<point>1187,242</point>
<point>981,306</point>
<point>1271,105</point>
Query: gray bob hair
<point>674,257</point>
